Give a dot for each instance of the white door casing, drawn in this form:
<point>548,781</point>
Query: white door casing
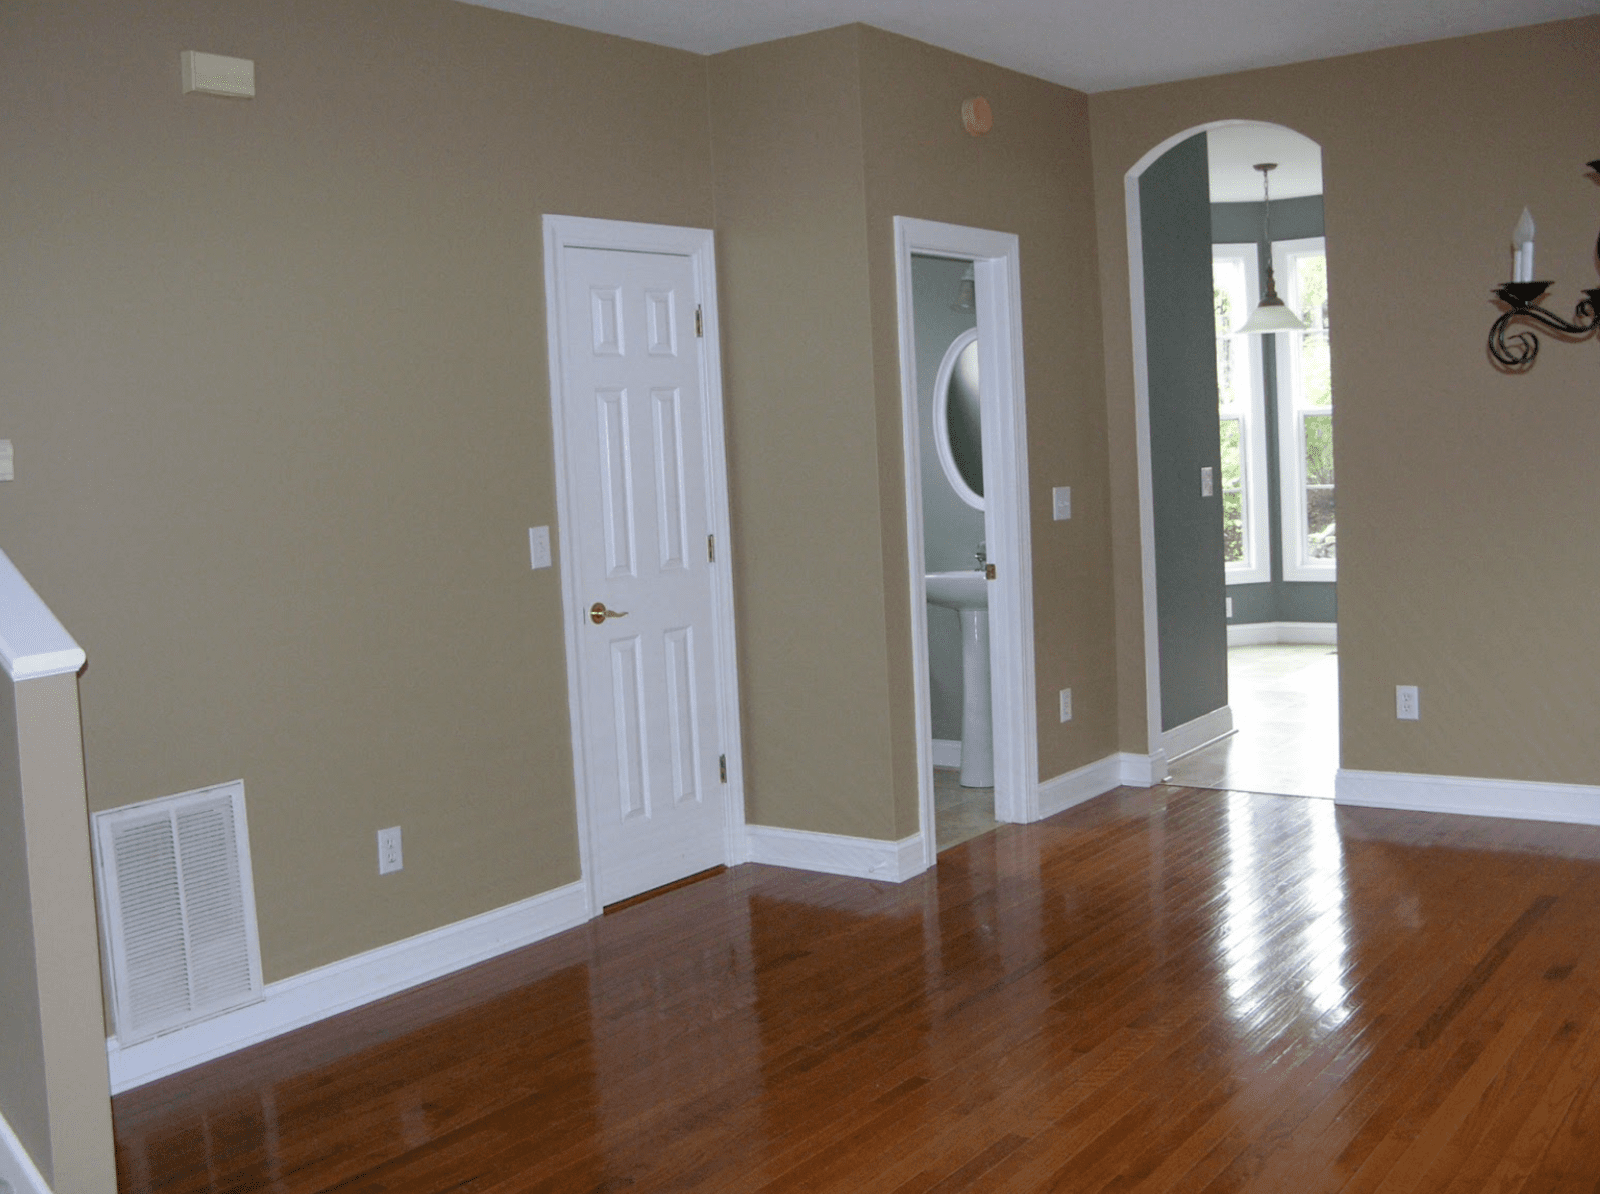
<point>641,485</point>
<point>996,259</point>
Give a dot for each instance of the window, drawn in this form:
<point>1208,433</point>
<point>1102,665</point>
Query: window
<point>1240,413</point>
<point>1305,414</point>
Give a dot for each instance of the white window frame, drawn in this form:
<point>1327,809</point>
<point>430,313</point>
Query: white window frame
<point>1297,565</point>
<point>1256,567</point>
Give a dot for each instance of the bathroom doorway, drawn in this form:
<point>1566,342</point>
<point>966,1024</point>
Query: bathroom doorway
<point>967,528</point>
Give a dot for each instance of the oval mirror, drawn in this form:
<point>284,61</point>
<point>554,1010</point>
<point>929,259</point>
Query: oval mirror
<point>958,418</point>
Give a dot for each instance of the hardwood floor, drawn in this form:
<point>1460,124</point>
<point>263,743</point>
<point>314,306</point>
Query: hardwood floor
<point>1163,990</point>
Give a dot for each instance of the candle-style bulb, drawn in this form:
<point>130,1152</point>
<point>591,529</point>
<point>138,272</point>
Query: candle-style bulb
<point>1522,245</point>
<point>1523,232</point>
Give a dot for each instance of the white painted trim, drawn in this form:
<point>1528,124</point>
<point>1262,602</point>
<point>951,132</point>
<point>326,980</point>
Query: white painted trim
<point>835,854</point>
<point>1192,735</point>
<point>16,1164</point>
<point>996,258</point>
<point>1074,787</point>
<point>1524,800</point>
<point>1297,566</point>
<point>562,232</point>
<point>328,990</point>
<point>33,643</point>
<point>947,752</point>
<point>1141,417</point>
<point>1143,771</point>
<point>1255,634</point>
<point>1257,568</point>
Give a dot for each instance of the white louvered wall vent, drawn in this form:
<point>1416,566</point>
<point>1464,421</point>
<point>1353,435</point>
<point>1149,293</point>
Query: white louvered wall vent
<point>178,910</point>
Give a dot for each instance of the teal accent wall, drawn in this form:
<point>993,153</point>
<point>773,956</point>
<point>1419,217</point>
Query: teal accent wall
<point>1175,217</point>
<point>1278,600</point>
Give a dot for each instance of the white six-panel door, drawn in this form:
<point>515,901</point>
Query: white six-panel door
<point>632,417</point>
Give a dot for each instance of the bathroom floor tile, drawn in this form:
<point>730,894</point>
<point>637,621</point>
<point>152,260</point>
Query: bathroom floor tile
<point>960,814</point>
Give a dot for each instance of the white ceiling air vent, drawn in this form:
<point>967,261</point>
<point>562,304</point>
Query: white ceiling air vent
<point>178,909</point>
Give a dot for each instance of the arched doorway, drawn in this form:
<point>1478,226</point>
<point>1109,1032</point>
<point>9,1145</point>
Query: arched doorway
<point>1235,445</point>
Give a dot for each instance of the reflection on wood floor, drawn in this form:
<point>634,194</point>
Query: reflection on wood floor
<point>1285,701</point>
<point>1162,990</point>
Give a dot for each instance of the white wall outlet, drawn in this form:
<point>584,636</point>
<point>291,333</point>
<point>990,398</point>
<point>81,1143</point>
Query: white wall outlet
<point>1061,499</point>
<point>1405,702</point>
<point>539,546</point>
<point>1205,481</point>
<point>389,856</point>
<point>1066,704</point>
<point>1227,605</point>
<point>7,472</point>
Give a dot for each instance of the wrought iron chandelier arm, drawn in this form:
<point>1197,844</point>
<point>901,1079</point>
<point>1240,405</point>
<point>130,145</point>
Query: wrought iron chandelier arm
<point>1516,351</point>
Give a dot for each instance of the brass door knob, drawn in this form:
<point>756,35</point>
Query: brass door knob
<point>598,613</point>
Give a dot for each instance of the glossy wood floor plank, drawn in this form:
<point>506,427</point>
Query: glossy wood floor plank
<point>1173,991</point>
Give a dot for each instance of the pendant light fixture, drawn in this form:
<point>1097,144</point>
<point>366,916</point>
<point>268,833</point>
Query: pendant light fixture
<point>1270,314</point>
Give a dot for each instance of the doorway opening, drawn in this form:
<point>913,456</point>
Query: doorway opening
<point>968,546</point>
<point>1236,461</point>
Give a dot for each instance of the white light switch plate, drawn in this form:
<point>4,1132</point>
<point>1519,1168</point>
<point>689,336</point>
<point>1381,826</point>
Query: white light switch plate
<point>6,470</point>
<point>1066,704</point>
<point>1205,481</point>
<point>1061,495</point>
<point>539,546</point>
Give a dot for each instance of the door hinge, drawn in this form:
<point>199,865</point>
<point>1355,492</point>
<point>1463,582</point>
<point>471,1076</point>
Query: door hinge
<point>711,549</point>
<point>722,762</point>
<point>699,322</point>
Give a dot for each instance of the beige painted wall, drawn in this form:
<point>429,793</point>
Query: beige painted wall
<point>1465,496</point>
<point>67,959</point>
<point>24,1095</point>
<point>803,435</point>
<point>820,141</point>
<point>275,374</point>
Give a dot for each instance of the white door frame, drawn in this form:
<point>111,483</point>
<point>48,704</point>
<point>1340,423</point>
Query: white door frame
<point>1141,414</point>
<point>997,271</point>
<point>561,233</point>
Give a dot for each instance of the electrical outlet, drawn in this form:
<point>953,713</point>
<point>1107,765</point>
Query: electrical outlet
<point>1405,702</point>
<point>389,856</point>
<point>1066,704</point>
<point>1206,483</point>
<point>1061,499</point>
<point>539,546</point>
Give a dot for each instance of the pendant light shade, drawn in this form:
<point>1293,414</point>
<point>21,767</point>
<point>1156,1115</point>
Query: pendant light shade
<point>1270,314</point>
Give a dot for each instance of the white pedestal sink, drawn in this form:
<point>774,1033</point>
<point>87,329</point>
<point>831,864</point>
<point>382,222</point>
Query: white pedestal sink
<point>968,594</point>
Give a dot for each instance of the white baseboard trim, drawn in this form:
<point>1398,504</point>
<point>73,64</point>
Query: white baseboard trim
<point>328,990</point>
<point>1254,634</point>
<point>947,752</point>
<point>1143,771</point>
<point>16,1165</point>
<point>1062,792</point>
<point>1192,735</point>
<point>1523,800</point>
<point>836,854</point>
